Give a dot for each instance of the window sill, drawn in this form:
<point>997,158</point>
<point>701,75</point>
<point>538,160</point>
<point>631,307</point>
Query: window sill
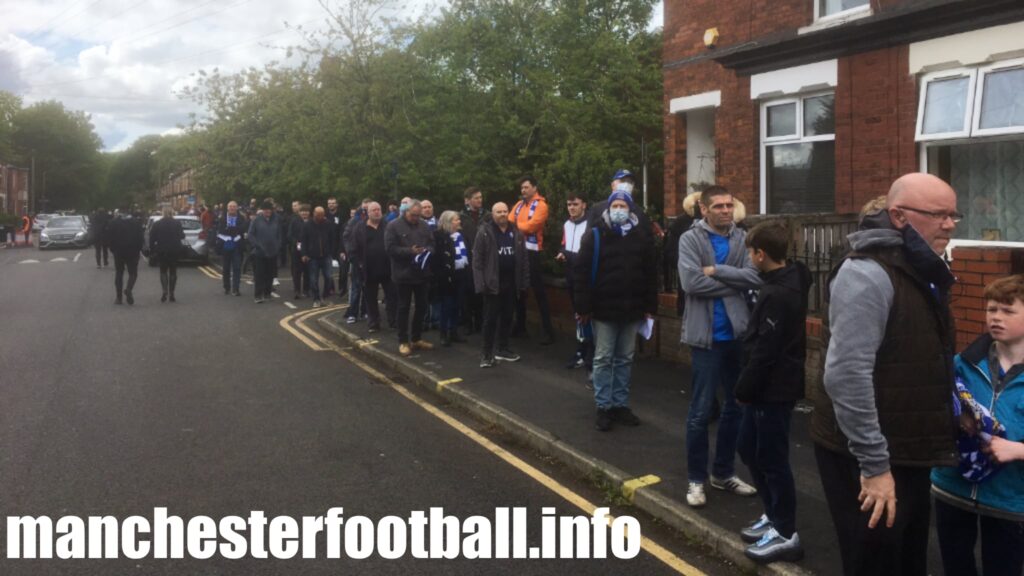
<point>837,20</point>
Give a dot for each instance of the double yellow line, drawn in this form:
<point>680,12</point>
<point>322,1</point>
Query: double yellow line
<point>296,325</point>
<point>211,272</point>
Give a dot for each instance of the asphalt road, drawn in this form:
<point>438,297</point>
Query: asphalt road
<point>208,407</point>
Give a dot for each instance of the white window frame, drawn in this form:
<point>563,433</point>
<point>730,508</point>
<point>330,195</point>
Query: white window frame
<point>979,98</point>
<point>841,15</point>
<point>798,138</point>
<point>965,131</point>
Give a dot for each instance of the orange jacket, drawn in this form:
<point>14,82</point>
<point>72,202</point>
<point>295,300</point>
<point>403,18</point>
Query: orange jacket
<point>26,224</point>
<point>530,221</point>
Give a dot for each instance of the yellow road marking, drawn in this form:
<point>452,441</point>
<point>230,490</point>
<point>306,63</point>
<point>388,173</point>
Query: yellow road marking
<point>204,270</point>
<point>442,383</point>
<point>629,487</point>
<point>661,553</point>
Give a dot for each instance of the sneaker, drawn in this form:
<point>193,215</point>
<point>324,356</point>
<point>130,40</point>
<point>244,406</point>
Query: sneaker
<point>350,320</point>
<point>487,362</point>
<point>623,415</point>
<point>422,345</point>
<point>275,283</point>
<point>755,531</point>
<point>772,547</point>
<point>317,304</point>
<point>695,495</point>
<point>117,300</point>
<point>372,328</point>
<point>734,485</point>
<point>404,349</point>
<point>604,420</point>
<point>258,300</point>
<point>506,355</point>
<point>576,362</point>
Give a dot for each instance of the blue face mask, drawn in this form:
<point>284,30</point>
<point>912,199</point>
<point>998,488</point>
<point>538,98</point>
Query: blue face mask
<point>618,216</point>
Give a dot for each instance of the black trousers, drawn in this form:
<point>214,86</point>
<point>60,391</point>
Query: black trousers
<point>102,247</point>
<point>406,294</point>
<point>371,293</point>
<point>120,263</point>
<point>1002,542</point>
<point>263,274</point>
<point>300,276</point>
<point>898,551</point>
<point>764,447</point>
<point>537,285</point>
<point>498,310</point>
<point>168,272</point>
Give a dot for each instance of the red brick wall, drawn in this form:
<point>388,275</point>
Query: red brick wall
<point>975,268</point>
<point>876,114</point>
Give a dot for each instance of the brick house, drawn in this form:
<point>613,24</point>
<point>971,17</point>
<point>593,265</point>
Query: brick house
<point>813,105</point>
<point>14,189</point>
<point>816,106</point>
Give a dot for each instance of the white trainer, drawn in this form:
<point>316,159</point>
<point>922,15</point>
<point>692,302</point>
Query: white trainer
<point>734,485</point>
<point>695,495</point>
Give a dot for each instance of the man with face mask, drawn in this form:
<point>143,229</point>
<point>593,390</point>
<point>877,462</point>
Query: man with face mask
<point>615,287</point>
<point>622,181</point>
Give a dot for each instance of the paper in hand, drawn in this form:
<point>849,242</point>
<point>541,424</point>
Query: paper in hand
<point>646,328</point>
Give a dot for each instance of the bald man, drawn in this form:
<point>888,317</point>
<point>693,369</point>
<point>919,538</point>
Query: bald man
<point>500,270</point>
<point>884,415</point>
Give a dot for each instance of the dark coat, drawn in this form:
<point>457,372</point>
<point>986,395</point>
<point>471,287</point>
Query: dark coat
<point>399,238</point>
<point>625,285</point>
<point>98,223</point>
<point>486,277</point>
<point>471,223</point>
<point>340,220</point>
<point>443,264</point>
<point>264,235</point>
<point>368,254</point>
<point>295,230</point>
<point>776,338</point>
<point>317,239</point>
<point>126,237</point>
<point>165,236</point>
<point>240,228</point>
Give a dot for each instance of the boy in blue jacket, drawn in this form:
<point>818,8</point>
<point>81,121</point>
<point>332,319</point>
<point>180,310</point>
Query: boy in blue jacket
<point>986,490</point>
<point>770,384</point>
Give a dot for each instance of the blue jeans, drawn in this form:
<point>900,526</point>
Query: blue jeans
<point>317,267</point>
<point>231,268</point>
<point>355,296</point>
<point>713,367</point>
<point>764,448</point>
<point>615,343</point>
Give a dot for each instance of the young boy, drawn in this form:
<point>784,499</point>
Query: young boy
<point>986,488</point>
<point>770,384</point>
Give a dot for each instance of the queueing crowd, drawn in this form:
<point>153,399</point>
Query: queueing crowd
<point>899,419</point>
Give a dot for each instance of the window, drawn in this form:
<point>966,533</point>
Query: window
<point>839,8</point>
<point>798,155</point>
<point>972,102</point>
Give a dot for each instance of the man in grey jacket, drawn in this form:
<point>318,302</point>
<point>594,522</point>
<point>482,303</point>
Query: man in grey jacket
<point>884,416</point>
<point>265,240</point>
<point>715,271</point>
<point>409,243</point>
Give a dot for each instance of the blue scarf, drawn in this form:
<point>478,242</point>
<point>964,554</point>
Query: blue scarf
<point>461,254</point>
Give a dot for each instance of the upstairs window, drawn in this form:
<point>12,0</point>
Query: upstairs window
<point>970,102</point>
<point>798,155</point>
<point>827,9</point>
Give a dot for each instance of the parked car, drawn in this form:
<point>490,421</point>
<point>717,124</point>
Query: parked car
<point>40,220</point>
<point>64,231</point>
<point>194,246</point>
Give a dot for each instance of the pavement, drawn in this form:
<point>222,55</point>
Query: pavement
<point>549,408</point>
<point>208,407</point>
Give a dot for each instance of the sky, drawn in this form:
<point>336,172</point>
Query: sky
<point>124,61</point>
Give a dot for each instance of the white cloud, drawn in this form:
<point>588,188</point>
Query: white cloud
<point>124,61</point>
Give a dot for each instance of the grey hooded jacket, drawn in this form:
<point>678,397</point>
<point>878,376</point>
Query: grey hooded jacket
<point>731,279</point>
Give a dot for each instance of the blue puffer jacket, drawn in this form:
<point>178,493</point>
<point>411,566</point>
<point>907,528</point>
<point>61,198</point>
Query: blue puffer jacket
<point>1001,491</point>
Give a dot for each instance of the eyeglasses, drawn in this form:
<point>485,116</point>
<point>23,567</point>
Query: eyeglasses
<point>936,216</point>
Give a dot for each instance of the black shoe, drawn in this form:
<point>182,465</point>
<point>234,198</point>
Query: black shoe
<point>623,415</point>
<point>604,420</point>
<point>128,296</point>
<point>172,298</point>
<point>117,301</point>
<point>506,355</point>
<point>236,293</point>
<point>487,362</point>
<point>164,297</point>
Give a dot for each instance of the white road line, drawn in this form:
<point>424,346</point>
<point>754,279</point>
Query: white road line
<point>77,256</point>
<point>29,261</point>
<point>58,259</point>
<point>289,304</point>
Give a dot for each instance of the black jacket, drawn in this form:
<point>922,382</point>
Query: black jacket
<point>295,230</point>
<point>165,236</point>
<point>471,223</point>
<point>776,338</point>
<point>98,223</point>
<point>368,254</point>
<point>340,220</point>
<point>625,286</point>
<point>125,236</point>
<point>486,275</point>
<point>225,232</point>
<point>399,238</point>
<point>443,263</point>
<point>317,239</point>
